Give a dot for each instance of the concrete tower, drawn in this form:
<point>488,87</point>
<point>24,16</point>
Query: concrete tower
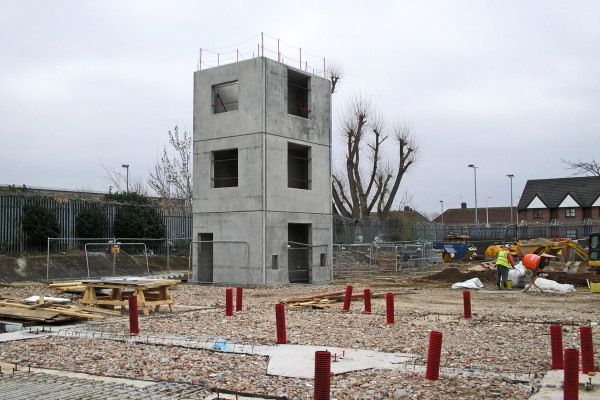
<point>262,175</point>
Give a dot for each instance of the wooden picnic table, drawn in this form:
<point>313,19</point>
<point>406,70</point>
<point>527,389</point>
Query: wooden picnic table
<point>149,292</point>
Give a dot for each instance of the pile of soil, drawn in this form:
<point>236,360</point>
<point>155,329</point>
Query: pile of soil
<point>453,275</point>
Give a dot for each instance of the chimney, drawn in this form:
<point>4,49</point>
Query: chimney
<point>463,205</point>
<point>406,208</point>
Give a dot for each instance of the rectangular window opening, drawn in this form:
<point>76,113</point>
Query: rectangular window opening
<point>275,261</point>
<point>323,259</point>
<point>572,233</point>
<point>570,213</point>
<point>298,86</point>
<point>225,168</point>
<point>298,166</point>
<point>225,97</point>
<point>538,214</point>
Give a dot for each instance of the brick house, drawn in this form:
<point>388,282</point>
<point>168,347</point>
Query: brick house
<point>466,216</point>
<point>565,200</point>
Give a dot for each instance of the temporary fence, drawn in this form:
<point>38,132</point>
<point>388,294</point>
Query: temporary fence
<point>177,219</point>
<point>370,230</point>
<point>302,257</point>
<point>382,260</point>
<point>80,258</point>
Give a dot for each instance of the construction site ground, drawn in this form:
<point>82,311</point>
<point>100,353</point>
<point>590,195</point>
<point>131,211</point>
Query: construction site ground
<point>502,352</point>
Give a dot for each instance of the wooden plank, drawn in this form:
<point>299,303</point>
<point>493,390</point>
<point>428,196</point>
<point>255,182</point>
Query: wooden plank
<point>320,295</point>
<point>79,314</point>
<point>99,310</point>
<point>65,284</point>
<point>26,314</point>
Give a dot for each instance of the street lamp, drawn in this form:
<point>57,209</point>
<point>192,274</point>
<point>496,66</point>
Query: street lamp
<point>442,204</point>
<point>487,221</point>
<point>511,176</point>
<point>475,175</point>
<point>126,166</point>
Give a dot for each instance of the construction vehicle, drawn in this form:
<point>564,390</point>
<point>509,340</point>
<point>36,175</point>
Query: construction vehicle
<point>514,248</point>
<point>590,259</point>
<point>594,252</point>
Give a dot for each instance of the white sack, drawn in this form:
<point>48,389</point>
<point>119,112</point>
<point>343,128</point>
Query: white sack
<point>473,283</point>
<point>35,299</point>
<point>548,285</point>
<point>515,274</point>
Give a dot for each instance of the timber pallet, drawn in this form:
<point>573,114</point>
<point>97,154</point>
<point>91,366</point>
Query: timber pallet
<point>44,311</point>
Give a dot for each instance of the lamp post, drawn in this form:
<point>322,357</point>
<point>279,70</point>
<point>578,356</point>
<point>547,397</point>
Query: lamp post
<point>511,176</point>
<point>442,204</point>
<point>487,221</point>
<point>126,166</point>
<point>475,175</point>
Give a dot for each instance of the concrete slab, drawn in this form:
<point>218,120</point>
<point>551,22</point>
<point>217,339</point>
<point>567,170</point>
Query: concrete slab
<point>552,386</point>
<point>23,335</point>
<point>299,361</point>
<point>505,291</point>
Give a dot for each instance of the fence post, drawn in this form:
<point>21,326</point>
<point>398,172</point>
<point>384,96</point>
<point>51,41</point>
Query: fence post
<point>114,255</point>
<point>48,261</point>
<point>370,260</point>
<point>396,261</point>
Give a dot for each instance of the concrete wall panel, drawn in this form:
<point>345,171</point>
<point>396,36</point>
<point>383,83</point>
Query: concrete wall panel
<point>249,118</point>
<point>230,258</point>
<point>247,196</point>
<point>282,198</point>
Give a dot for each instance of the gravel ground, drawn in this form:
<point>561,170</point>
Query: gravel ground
<point>508,335</point>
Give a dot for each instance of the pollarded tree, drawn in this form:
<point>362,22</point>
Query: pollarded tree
<point>368,181</point>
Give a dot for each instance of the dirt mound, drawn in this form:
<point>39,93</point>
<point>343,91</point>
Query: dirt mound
<point>453,275</point>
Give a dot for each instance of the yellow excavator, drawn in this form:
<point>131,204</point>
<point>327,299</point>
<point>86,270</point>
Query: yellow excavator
<point>591,258</point>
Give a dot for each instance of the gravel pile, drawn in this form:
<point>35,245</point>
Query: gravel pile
<point>507,338</point>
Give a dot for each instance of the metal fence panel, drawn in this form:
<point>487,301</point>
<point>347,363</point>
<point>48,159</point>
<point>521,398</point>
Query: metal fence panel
<point>382,260</point>
<point>178,220</point>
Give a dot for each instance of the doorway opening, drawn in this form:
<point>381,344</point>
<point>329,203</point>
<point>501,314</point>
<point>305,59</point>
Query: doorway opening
<point>205,258</point>
<point>299,251</point>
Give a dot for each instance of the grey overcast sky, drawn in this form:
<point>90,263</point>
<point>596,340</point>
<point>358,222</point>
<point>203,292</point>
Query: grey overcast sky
<point>510,86</point>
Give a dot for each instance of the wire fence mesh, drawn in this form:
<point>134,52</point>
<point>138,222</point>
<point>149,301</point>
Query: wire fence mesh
<point>78,258</point>
<point>383,260</point>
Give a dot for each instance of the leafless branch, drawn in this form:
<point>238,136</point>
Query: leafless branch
<point>583,167</point>
<point>172,174</point>
<point>335,72</point>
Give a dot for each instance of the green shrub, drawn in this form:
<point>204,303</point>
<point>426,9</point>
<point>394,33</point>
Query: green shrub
<point>39,223</point>
<point>91,223</point>
<point>130,197</point>
<point>139,220</point>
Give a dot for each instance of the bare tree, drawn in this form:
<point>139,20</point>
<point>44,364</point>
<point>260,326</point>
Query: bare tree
<point>584,168</point>
<point>370,182</point>
<point>172,174</point>
<point>118,181</point>
<point>334,70</point>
